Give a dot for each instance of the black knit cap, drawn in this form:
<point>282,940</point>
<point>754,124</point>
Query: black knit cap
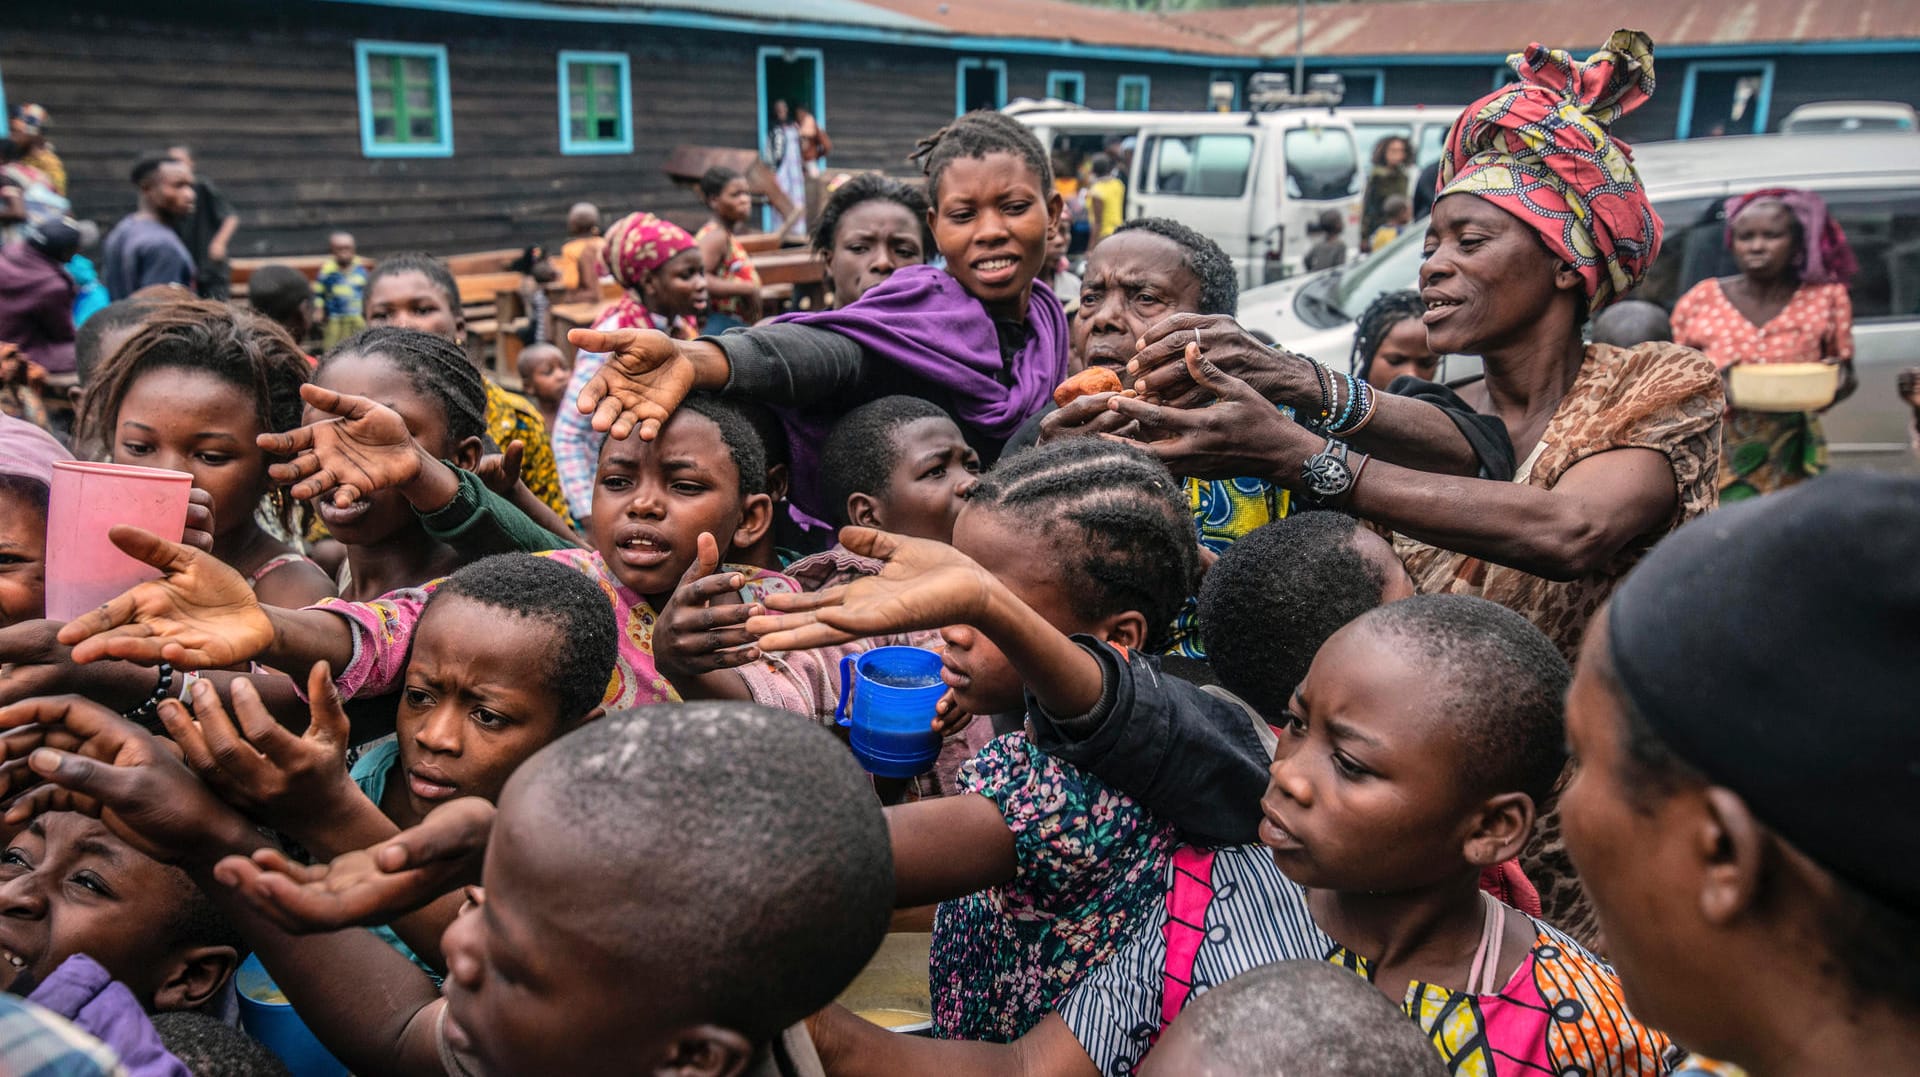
<point>1774,645</point>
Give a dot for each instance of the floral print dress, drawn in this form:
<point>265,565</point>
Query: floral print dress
<point>1091,865</point>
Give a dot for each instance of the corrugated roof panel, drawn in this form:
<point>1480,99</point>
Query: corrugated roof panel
<point>1476,27</point>
<point>1058,20</point>
<point>840,12</point>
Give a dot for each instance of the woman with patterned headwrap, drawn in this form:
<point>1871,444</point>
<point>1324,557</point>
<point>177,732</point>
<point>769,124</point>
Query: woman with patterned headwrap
<point>1540,220</point>
<point>658,264</point>
<point>1788,304</point>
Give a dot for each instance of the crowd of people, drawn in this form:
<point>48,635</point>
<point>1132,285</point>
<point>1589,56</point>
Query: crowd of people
<point>1303,715</point>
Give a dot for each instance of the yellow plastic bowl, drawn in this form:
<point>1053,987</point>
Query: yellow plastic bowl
<point>1784,386</point>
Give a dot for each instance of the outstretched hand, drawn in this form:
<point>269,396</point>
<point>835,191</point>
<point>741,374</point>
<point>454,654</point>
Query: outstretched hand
<point>1240,434</point>
<point>701,629</point>
<point>363,448</point>
<point>644,379</point>
<point>200,614</point>
<point>1157,372</point>
<point>82,757</point>
<point>923,585</point>
<point>367,886</point>
<point>258,765</point>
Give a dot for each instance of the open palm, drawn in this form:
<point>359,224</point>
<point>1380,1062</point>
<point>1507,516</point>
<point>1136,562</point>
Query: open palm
<point>645,378</point>
<point>200,614</point>
<point>922,585</point>
<point>365,447</point>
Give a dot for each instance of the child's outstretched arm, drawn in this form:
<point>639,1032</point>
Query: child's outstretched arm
<point>370,1006</point>
<point>298,785</point>
<point>200,614</point>
<point>366,447</point>
<point>928,585</point>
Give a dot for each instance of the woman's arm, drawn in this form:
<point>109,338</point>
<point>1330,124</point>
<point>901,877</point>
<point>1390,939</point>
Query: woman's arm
<point>851,1046</point>
<point>1408,432</point>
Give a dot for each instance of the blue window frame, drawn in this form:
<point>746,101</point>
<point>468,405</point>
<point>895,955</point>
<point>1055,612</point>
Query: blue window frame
<point>979,84</point>
<point>1732,94</point>
<point>596,103</point>
<point>1134,93</point>
<point>1067,86</point>
<point>405,107</point>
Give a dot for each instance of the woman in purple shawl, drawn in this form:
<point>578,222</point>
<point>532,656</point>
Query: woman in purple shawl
<point>981,338</point>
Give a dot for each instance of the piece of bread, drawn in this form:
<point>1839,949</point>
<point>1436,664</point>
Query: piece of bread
<point>1094,379</point>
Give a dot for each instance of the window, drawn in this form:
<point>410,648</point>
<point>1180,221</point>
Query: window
<point>980,84</point>
<point>404,106</point>
<point>1365,85</point>
<point>1067,86</point>
<point>1199,166</point>
<point>1320,163</point>
<point>1134,94</point>
<point>1433,143</point>
<point>1368,135</point>
<point>1504,76</point>
<point>596,103</point>
<point>1725,97</point>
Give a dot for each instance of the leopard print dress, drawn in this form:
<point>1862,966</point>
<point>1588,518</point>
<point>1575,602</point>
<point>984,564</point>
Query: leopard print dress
<point>1657,396</point>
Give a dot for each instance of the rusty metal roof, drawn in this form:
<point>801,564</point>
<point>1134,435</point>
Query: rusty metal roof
<point>1058,20</point>
<point>1487,27</point>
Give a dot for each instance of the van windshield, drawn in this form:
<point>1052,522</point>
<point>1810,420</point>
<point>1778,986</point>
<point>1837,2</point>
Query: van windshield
<point>1200,166</point>
<point>1320,163</point>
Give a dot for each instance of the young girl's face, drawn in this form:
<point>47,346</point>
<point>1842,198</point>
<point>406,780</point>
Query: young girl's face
<point>475,705</point>
<point>933,471</point>
<point>991,224</point>
<point>872,239</point>
<point>412,301</point>
<point>23,555</point>
<point>1403,350</point>
<point>982,679</point>
<point>192,421</point>
<point>1365,792</point>
<point>652,499</point>
<point>383,513</point>
<point>733,203</point>
<point>549,380</point>
<point>678,289</point>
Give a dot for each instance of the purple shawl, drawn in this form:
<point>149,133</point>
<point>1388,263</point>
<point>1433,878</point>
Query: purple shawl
<point>921,320</point>
<point>85,994</point>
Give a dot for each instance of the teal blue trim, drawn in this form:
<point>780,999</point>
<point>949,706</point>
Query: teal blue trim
<point>819,86</point>
<point>776,27</point>
<point>1074,78</point>
<point>973,63</point>
<point>1378,75</point>
<point>569,147</point>
<point>440,147</point>
<point>1144,82</point>
<point>1762,102</point>
<point>4,111</point>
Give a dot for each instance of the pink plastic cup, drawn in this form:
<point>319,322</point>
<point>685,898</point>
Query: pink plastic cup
<point>84,567</point>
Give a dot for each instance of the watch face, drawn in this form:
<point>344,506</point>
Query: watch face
<point>1327,475</point>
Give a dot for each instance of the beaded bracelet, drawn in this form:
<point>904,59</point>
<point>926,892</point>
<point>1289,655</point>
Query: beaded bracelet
<point>1367,399</point>
<point>1346,411</point>
<point>1326,392</point>
<point>151,707</point>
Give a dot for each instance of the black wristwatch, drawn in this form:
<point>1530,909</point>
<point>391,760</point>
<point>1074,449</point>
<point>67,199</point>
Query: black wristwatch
<point>1326,474</point>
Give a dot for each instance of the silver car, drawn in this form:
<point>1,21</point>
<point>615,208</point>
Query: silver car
<point>1871,183</point>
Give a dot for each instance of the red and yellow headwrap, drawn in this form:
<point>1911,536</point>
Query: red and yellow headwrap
<point>640,243</point>
<point>1540,149</point>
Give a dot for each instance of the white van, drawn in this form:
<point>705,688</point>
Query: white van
<point>1251,182</point>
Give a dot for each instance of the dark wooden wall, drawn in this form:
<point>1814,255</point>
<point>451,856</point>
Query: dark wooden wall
<point>265,93</point>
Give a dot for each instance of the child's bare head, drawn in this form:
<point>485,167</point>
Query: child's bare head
<point>544,373</point>
<point>583,219</point>
<point>671,881</point>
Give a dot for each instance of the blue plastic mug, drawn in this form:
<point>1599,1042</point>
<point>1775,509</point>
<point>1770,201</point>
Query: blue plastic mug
<point>887,701</point>
<point>269,1018</point>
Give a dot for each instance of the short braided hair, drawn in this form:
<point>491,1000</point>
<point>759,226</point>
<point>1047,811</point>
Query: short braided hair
<point>974,136</point>
<point>1219,283</point>
<point>869,187</point>
<point>1118,516</point>
<point>419,262</point>
<point>436,367</point>
<point>1387,310</point>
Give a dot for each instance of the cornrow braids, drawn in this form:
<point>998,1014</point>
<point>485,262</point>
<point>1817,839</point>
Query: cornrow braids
<point>436,367</point>
<point>1117,514</point>
<point>974,136</point>
<point>422,263</point>
<point>242,348</point>
<point>1219,283</point>
<point>1387,310</point>
<point>868,187</point>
